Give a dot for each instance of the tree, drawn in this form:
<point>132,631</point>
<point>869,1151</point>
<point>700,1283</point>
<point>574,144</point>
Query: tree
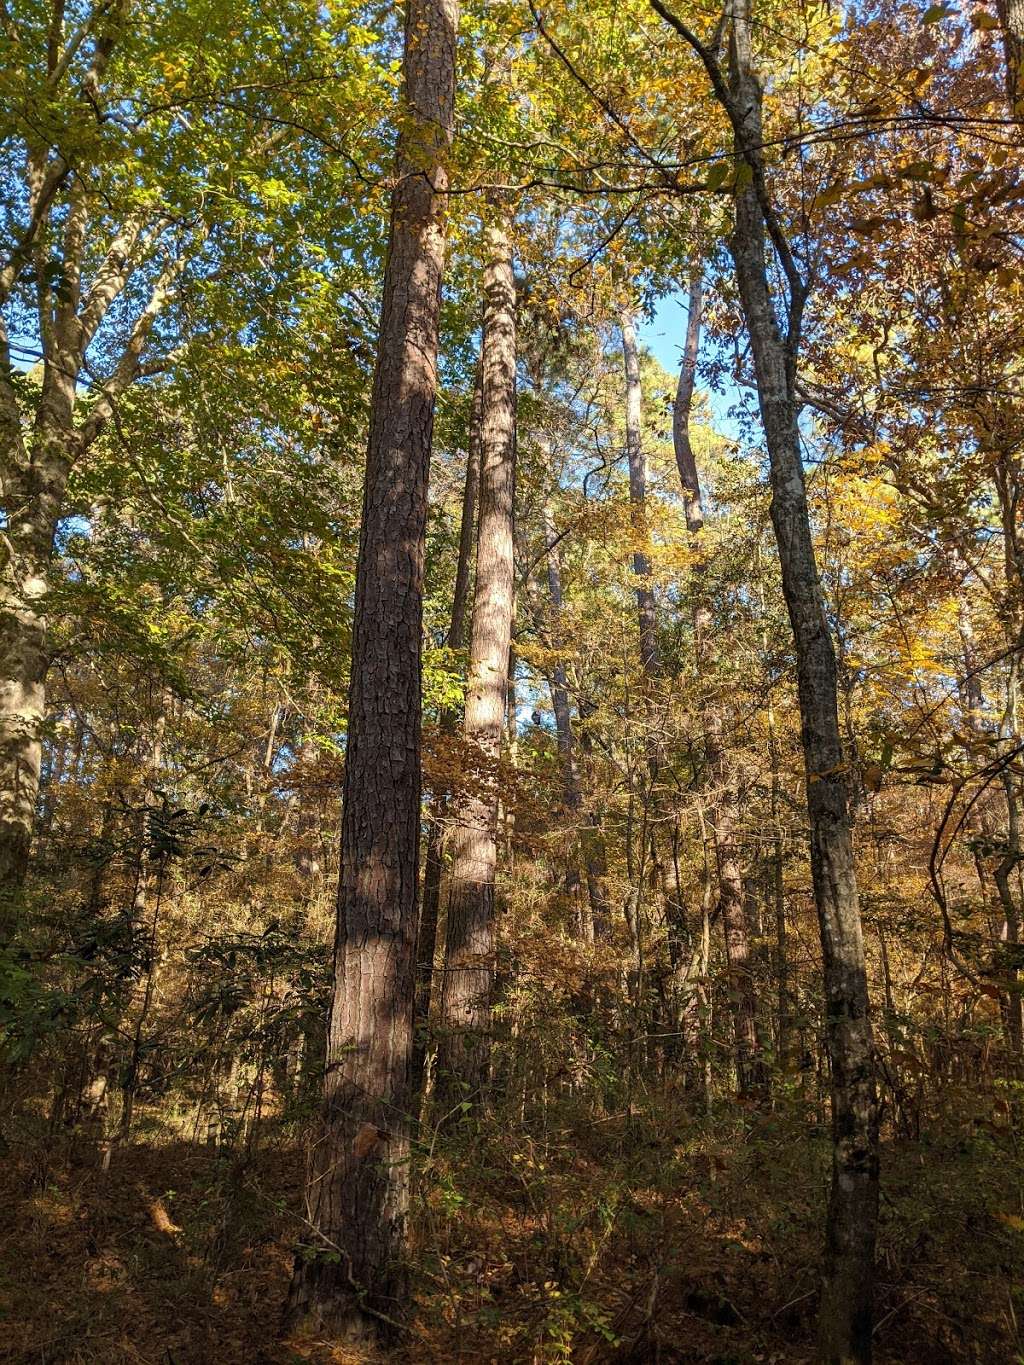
<point>848,1272</point>
<point>354,1279</point>
<point>465,1007</point>
<point>128,150</point>
<point>433,871</point>
<point>724,798</point>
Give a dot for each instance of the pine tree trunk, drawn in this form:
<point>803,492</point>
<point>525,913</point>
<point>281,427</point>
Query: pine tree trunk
<point>465,1015</point>
<point>353,1281</point>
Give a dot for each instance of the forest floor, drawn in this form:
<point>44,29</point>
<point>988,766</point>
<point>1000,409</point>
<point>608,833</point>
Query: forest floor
<point>658,1236</point>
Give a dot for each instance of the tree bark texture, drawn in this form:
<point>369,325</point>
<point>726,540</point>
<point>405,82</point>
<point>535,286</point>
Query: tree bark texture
<point>433,871</point>
<point>1011,27</point>
<point>465,1014</point>
<point>845,1319</point>
<point>353,1279</point>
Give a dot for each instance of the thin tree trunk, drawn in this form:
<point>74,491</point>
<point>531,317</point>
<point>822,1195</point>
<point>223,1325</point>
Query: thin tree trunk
<point>559,688</point>
<point>724,798</point>
<point>433,871</point>
<point>467,525</point>
<point>686,462</point>
<point>637,917</point>
<point>646,611</point>
<point>595,854</point>
<point>845,1321</point>
<point>778,896</point>
<point>464,1044</point>
<point>1010,935</point>
<point>507,812</point>
<point>353,1282</point>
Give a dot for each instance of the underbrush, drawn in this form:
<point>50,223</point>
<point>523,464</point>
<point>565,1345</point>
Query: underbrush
<point>653,1235</point>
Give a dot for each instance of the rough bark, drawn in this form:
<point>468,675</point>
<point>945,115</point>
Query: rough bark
<point>353,1280</point>
<point>1011,27</point>
<point>465,1013</point>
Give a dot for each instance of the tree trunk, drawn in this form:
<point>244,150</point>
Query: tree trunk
<point>592,914</point>
<point>685,460</point>
<point>33,492</point>
<point>595,853</point>
<point>433,871</point>
<point>353,1281</point>
<point>645,604</point>
<point>724,798</point>
<point>845,1321</point>
<point>1011,27</point>
<point>778,884</point>
<point>464,1044</point>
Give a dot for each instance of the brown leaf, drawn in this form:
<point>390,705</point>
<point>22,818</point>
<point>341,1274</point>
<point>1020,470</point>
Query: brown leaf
<point>367,1139</point>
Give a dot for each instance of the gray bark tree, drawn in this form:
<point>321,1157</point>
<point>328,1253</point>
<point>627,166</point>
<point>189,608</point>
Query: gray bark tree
<point>845,1314</point>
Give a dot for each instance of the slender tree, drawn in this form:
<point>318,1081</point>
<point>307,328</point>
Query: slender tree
<point>637,460</point>
<point>433,871</point>
<point>593,915</point>
<point>464,1045</point>
<point>845,1321</point>
<point>353,1278</point>
<point>724,800</point>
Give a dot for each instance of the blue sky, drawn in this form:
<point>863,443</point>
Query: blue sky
<point>665,333</point>
<point>664,336</point>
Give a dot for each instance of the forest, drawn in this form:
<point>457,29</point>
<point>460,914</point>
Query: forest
<point>511,638</point>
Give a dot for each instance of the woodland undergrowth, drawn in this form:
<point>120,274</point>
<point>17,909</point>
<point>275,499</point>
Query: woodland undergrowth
<point>664,1233</point>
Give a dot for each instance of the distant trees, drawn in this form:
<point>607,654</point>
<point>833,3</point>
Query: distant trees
<point>668,648</point>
